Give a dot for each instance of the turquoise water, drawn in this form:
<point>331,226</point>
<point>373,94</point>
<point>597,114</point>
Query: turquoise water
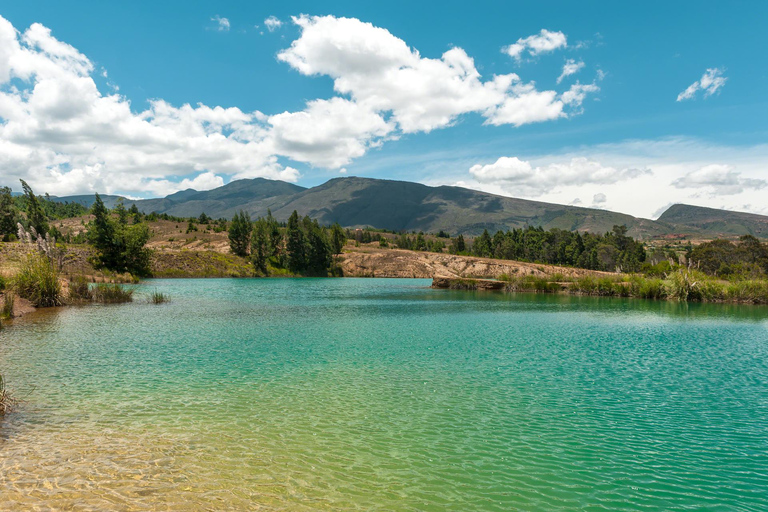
<point>369,394</point>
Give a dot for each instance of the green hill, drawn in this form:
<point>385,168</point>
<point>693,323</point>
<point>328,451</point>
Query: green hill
<point>406,206</point>
<point>713,222</point>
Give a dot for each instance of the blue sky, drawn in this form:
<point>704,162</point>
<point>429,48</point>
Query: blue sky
<point>630,140</point>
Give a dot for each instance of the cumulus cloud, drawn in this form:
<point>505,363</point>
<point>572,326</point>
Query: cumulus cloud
<point>719,180</point>
<point>272,23</point>
<point>543,42</point>
<point>520,177</point>
<point>222,24</point>
<point>64,135</point>
<point>711,82</point>
<point>381,72</point>
<point>571,67</point>
<point>599,199</point>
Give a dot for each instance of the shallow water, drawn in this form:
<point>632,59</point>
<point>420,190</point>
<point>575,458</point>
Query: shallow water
<point>366,394</point>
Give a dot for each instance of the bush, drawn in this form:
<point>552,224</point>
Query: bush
<point>79,290</point>
<point>647,288</point>
<point>685,285</point>
<point>38,281</point>
<point>111,294</point>
<point>755,292</point>
<point>7,310</point>
<point>463,284</point>
<point>159,298</point>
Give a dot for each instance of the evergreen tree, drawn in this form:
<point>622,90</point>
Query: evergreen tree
<point>240,233</point>
<point>35,214</point>
<point>119,248</point>
<point>338,238</point>
<point>8,214</point>
<point>296,245</point>
<point>134,211</point>
<point>319,257</point>
<point>260,246</point>
<point>122,213</point>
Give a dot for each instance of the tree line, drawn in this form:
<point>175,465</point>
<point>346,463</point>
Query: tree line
<point>303,247</point>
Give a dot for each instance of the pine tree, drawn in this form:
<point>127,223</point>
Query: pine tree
<point>35,214</point>
<point>296,245</point>
<point>8,214</point>
<point>240,233</point>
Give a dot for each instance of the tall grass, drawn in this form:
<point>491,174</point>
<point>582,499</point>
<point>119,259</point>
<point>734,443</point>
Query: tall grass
<point>9,299</point>
<point>111,294</point>
<point>157,297</point>
<point>79,290</point>
<point>532,284</point>
<point>38,281</point>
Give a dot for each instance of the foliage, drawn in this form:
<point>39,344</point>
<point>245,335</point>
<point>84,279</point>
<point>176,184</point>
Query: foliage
<point>79,290</point>
<point>9,299</point>
<point>159,298</point>
<point>111,294</point>
<point>35,214</point>
<point>747,259</point>
<point>8,214</point>
<point>38,281</point>
<point>338,238</point>
<point>240,234</point>
<point>612,251</point>
<point>119,247</point>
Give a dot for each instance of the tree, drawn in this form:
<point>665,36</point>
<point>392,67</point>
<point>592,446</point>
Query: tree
<point>8,214</point>
<point>296,245</point>
<point>338,238</point>
<point>260,246</point>
<point>122,213</point>
<point>319,257</point>
<point>119,247</point>
<point>134,211</point>
<point>240,233</point>
<point>458,245</point>
<point>35,214</point>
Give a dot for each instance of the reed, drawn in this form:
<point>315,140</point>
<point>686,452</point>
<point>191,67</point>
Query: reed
<point>111,294</point>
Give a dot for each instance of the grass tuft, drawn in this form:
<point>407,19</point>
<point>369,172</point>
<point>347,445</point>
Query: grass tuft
<point>159,298</point>
<point>111,294</point>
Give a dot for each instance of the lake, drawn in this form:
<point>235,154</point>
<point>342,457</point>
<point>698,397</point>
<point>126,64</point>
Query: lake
<point>373,394</point>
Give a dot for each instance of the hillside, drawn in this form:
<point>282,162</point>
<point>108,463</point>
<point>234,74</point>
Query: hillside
<point>714,222</point>
<point>406,206</point>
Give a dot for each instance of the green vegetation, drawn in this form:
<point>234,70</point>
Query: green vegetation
<point>747,259</point>
<point>111,294</point>
<point>159,298</point>
<point>35,214</point>
<point>240,234</point>
<point>119,247</point>
<point>79,290</point>
<point>610,252</point>
<point>6,312</point>
<point>38,281</point>
<point>8,215</point>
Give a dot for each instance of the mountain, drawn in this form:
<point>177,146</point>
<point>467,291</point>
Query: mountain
<point>714,222</point>
<point>406,206</point>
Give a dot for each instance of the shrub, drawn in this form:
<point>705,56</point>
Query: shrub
<point>685,285</point>
<point>159,298</point>
<point>7,310</point>
<point>647,288</point>
<point>79,290</point>
<point>38,281</point>
<point>463,284</point>
<point>111,294</point>
<point>755,292</point>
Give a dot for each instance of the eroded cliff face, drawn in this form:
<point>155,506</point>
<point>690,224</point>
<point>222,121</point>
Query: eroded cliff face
<point>375,262</point>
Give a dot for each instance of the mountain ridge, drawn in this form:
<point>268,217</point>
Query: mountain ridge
<point>406,206</point>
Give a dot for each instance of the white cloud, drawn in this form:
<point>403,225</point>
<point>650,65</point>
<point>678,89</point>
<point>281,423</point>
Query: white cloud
<point>64,135</point>
<point>719,180</point>
<point>543,42</point>
<point>272,23</point>
<point>222,24</point>
<point>520,177</point>
<point>599,199</point>
<point>711,82</point>
<point>381,72</point>
<point>571,67</point>
<point>329,133</point>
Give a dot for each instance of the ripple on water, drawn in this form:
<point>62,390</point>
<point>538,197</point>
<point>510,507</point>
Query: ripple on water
<point>373,394</point>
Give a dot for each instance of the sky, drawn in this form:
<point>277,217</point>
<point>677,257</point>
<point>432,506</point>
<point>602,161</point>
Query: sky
<point>624,107</point>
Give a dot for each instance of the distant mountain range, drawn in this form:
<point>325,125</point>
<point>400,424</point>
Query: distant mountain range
<point>406,206</point>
